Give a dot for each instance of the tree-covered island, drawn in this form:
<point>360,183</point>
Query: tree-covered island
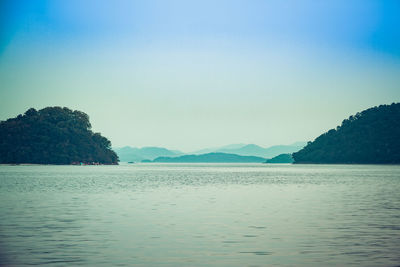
<point>53,135</point>
<point>369,137</point>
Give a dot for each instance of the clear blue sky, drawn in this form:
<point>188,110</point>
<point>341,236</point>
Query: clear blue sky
<point>192,74</point>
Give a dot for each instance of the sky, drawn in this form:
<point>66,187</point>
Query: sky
<point>193,74</point>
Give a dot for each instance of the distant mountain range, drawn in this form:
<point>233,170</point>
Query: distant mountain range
<point>255,150</point>
<point>211,158</point>
<point>215,149</point>
<point>128,154</point>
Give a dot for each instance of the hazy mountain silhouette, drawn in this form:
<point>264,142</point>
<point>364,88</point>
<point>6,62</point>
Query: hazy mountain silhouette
<point>247,150</point>
<point>255,150</point>
<point>369,137</point>
<point>134,154</point>
<point>128,153</point>
<point>214,149</point>
<point>211,158</point>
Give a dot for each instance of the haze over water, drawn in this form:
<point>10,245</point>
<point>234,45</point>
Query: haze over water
<point>193,74</point>
<point>200,215</point>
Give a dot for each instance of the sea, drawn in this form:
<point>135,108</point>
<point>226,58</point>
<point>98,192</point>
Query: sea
<point>200,215</point>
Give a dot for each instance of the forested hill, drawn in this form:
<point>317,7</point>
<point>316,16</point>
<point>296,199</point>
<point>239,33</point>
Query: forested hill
<point>53,135</point>
<point>370,137</point>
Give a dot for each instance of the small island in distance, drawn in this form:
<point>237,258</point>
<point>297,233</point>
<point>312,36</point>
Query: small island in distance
<point>211,158</point>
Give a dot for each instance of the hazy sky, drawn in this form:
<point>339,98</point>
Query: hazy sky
<point>193,74</point>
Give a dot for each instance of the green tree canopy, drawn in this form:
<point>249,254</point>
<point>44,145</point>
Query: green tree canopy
<point>53,135</point>
<point>369,137</point>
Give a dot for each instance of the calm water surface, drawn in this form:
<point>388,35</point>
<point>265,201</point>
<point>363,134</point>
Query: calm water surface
<point>200,215</point>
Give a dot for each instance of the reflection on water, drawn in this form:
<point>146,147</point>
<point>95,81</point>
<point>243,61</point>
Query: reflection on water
<point>200,215</point>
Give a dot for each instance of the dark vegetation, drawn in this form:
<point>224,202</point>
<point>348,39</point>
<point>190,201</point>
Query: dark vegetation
<point>212,158</point>
<point>53,135</point>
<point>370,137</point>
